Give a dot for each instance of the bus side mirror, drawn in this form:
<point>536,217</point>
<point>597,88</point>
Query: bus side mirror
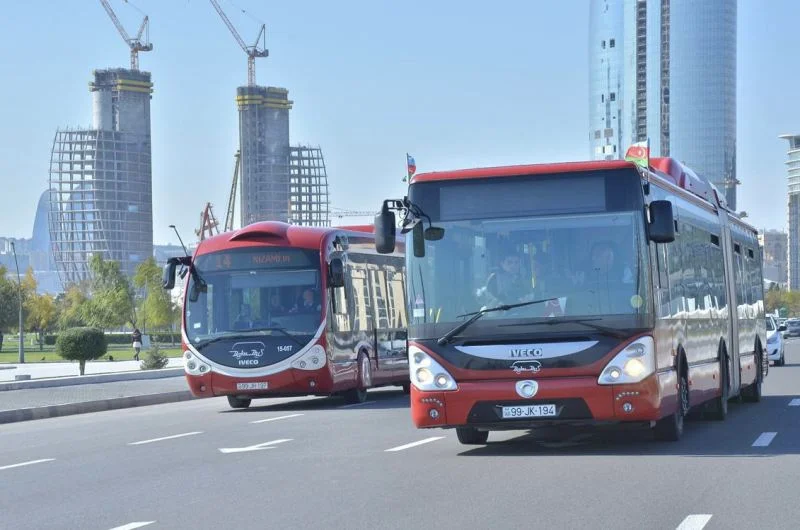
<point>662,222</point>
<point>385,231</point>
<point>336,273</point>
<point>418,235</point>
<point>168,279</point>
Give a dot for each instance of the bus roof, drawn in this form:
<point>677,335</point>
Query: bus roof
<point>515,171</point>
<point>275,233</point>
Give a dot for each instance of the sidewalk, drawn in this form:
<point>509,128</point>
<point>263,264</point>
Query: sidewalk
<point>66,369</point>
<point>38,403</point>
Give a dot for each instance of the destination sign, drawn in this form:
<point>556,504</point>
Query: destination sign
<point>259,258</point>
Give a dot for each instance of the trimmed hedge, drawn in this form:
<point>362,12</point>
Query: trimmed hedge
<point>81,344</point>
<point>125,338</point>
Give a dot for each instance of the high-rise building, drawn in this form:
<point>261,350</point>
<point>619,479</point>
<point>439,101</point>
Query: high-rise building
<point>606,33</point>
<point>775,252</point>
<point>265,153</point>
<point>678,82</point>
<point>101,179</point>
<point>793,172</point>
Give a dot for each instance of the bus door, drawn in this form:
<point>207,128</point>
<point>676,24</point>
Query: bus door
<point>387,349</point>
<point>732,336</point>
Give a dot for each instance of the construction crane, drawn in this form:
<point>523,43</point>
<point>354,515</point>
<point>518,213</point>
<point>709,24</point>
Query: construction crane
<point>136,45</point>
<point>232,196</point>
<point>337,212</point>
<point>209,227</point>
<point>251,51</point>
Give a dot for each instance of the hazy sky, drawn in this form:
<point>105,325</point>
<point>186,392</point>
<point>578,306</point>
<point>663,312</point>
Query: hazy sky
<point>456,83</point>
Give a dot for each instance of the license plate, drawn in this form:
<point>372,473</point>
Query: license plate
<point>529,411</point>
<point>251,386</point>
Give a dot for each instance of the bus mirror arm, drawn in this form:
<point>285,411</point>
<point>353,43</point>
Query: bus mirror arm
<point>386,224</point>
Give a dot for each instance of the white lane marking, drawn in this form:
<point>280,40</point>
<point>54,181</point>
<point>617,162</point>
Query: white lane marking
<point>132,526</point>
<point>764,439</point>
<point>257,447</point>
<point>696,521</point>
<point>414,444</point>
<point>355,405</point>
<point>276,419</point>
<point>30,463</point>
<point>166,438</point>
<point>795,402</point>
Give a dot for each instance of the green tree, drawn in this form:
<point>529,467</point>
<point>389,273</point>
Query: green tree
<point>42,315</point>
<point>70,308</point>
<point>81,344</point>
<point>156,308</point>
<point>111,304</point>
<point>9,300</point>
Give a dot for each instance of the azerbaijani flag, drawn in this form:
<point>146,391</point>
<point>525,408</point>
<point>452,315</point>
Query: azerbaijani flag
<point>639,153</point>
<point>412,165</point>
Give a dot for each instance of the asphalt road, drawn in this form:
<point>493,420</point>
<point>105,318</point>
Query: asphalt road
<point>314,463</point>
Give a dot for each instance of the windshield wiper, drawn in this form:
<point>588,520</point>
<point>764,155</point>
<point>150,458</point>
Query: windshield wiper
<point>478,314</point>
<point>588,322</point>
<point>245,332</point>
<point>280,330</point>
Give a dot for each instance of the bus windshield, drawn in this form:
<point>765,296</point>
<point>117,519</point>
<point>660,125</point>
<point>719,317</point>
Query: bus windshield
<point>591,263</point>
<point>250,291</point>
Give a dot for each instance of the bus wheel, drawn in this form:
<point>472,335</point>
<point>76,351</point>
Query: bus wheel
<point>237,403</point>
<point>670,429</point>
<point>752,393</point>
<point>717,408</point>
<point>359,394</point>
<point>470,436</point>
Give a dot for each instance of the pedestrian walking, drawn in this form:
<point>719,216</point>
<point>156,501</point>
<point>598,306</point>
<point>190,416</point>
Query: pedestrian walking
<point>137,343</point>
<point>1,340</point>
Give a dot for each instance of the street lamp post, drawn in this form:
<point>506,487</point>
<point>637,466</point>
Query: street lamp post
<point>19,283</point>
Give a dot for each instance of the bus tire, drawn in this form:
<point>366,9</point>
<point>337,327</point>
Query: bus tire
<point>670,429</point>
<point>238,403</point>
<point>718,407</point>
<point>359,393</point>
<point>470,436</point>
<point>752,393</point>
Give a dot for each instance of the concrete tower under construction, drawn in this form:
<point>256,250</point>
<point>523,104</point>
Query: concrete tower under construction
<point>101,179</point>
<point>265,153</point>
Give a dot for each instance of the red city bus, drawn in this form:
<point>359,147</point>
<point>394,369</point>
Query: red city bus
<point>577,293</point>
<point>281,310</point>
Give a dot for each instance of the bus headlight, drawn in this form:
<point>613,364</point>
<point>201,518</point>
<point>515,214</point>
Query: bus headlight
<point>314,359</point>
<point>192,364</point>
<point>635,362</point>
<point>427,374</point>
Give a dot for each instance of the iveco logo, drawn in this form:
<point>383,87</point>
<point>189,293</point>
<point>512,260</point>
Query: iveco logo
<point>526,352</point>
<point>526,366</point>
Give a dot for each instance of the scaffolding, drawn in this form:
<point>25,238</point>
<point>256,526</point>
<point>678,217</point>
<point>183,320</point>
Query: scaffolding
<point>309,203</point>
<point>101,180</point>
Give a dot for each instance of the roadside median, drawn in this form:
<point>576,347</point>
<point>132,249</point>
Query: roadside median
<point>48,402</point>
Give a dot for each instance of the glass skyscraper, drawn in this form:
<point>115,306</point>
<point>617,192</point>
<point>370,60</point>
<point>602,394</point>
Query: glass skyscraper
<point>793,170</point>
<point>678,85</point>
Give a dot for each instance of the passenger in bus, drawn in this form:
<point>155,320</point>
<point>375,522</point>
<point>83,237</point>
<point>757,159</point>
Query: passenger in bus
<point>507,284</point>
<point>606,281</point>
<point>276,308</point>
<point>243,320</point>
<point>309,303</point>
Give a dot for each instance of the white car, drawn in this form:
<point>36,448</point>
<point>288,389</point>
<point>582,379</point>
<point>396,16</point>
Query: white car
<point>775,341</point>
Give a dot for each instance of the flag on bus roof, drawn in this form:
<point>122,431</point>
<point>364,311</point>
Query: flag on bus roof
<point>411,166</point>
<point>639,153</point>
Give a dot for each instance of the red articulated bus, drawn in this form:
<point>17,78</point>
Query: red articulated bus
<point>281,310</point>
<point>577,293</point>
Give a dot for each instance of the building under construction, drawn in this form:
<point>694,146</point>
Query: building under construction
<point>279,182</point>
<point>101,179</point>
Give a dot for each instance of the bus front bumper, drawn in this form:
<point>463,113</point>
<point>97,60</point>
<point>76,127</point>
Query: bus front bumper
<point>577,400</point>
<point>289,382</point>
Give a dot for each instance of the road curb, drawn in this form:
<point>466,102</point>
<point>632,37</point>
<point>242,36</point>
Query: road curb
<point>85,407</point>
<point>92,378</point>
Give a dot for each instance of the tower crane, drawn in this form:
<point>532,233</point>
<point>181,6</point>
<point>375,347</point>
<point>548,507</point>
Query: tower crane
<point>137,44</point>
<point>232,196</point>
<point>209,226</point>
<point>251,51</point>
